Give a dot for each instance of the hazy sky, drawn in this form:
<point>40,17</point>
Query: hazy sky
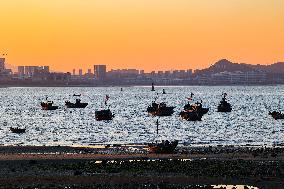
<point>142,34</point>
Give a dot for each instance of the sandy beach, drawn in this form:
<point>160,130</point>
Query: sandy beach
<point>130,166</point>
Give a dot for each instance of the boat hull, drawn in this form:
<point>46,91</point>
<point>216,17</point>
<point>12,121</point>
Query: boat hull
<point>201,110</point>
<point>49,107</point>
<point>224,106</point>
<point>165,111</point>
<point>74,105</point>
<point>17,130</point>
<point>163,148</point>
<point>224,109</point>
<point>191,116</point>
<point>276,115</point>
<point>104,115</point>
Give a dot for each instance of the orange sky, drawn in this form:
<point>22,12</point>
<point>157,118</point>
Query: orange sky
<point>142,34</point>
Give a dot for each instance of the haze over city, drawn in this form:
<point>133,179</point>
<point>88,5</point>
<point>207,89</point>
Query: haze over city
<point>148,35</point>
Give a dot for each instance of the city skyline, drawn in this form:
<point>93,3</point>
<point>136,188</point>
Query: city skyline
<point>221,72</point>
<point>77,70</point>
<point>146,35</point>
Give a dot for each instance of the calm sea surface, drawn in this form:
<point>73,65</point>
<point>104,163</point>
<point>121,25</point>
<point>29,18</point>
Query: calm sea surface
<point>248,123</point>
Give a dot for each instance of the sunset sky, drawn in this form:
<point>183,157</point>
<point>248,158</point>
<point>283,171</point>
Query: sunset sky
<point>142,34</point>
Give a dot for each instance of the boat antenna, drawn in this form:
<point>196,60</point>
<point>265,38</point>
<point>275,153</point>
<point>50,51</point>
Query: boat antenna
<point>191,97</point>
<point>157,123</point>
<point>157,96</point>
<point>106,99</point>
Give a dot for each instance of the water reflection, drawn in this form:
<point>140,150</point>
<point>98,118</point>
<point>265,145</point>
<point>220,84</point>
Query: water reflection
<point>234,187</point>
<point>248,123</point>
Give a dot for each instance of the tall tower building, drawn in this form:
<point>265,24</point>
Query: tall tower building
<point>80,72</point>
<point>100,71</point>
<point>2,64</point>
<point>21,71</point>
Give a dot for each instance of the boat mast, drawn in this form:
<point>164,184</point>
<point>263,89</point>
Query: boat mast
<point>157,123</point>
<point>153,88</point>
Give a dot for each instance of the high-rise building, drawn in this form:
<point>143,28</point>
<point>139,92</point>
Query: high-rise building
<point>189,72</point>
<point>2,64</point>
<point>80,72</point>
<point>21,71</point>
<point>100,71</point>
<point>32,70</point>
<point>74,72</point>
<point>89,71</point>
<point>46,69</point>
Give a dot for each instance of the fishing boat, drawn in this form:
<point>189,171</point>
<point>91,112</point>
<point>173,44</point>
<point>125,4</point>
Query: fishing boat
<point>48,105</point>
<point>193,112</point>
<point>160,109</point>
<point>224,106</point>
<point>104,114</point>
<point>17,130</point>
<point>191,115</point>
<point>195,107</point>
<point>77,104</point>
<point>163,147</point>
<point>277,115</point>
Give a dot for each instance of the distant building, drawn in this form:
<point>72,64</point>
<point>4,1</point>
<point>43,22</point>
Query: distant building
<point>160,73</point>
<point>80,72</point>
<point>46,69</point>
<point>89,74</point>
<point>167,73</point>
<point>124,73</point>
<point>30,71</point>
<point>74,72</point>
<point>189,72</point>
<point>21,71</point>
<point>238,77</point>
<point>100,71</point>
<point>2,64</point>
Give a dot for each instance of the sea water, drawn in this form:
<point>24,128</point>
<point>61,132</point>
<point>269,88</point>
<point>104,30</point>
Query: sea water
<point>247,124</point>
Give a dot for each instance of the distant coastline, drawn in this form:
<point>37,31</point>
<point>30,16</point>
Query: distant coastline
<point>126,85</point>
<point>222,73</point>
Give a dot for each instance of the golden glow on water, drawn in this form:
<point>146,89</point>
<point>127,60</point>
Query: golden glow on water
<point>249,124</point>
<point>234,187</point>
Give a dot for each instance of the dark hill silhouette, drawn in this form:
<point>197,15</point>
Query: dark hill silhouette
<point>225,65</point>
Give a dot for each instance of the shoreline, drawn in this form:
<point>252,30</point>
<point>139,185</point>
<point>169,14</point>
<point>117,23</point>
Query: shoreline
<point>83,167</point>
<point>132,85</point>
<point>140,151</point>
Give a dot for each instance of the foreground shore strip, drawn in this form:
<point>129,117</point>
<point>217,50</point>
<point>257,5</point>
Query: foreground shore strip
<point>111,167</point>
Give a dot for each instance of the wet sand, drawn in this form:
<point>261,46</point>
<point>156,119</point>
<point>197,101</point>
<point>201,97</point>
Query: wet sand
<point>121,166</point>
